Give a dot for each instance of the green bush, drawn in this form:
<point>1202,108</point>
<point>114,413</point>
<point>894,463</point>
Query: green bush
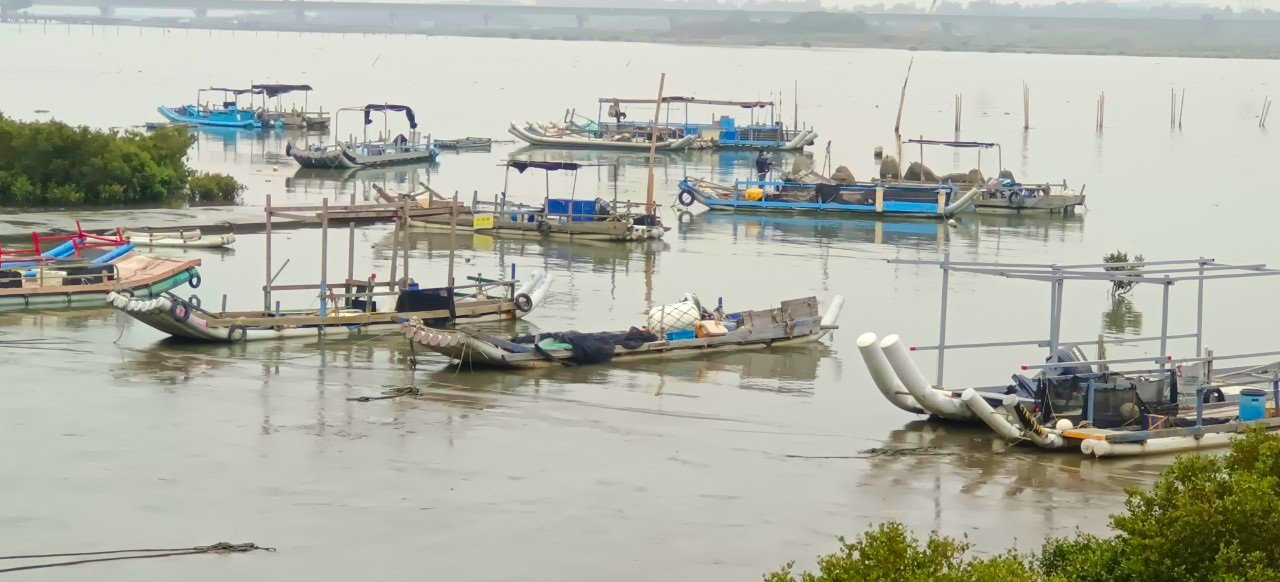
<point>1206,518</point>
<point>213,188</point>
<point>55,164</point>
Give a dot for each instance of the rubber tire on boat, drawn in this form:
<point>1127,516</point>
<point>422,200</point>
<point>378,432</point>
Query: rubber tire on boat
<point>685,198</point>
<point>1016,200</point>
<point>195,280</point>
<point>524,302</point>
<point>1214,395</point>
<point>180,310</point>
<point>194,300</point>
<point>236,333</point>
<point>544,228</point>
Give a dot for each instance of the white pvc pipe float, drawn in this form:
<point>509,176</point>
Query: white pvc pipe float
<point>883,376</point>
<point>988,415</point>
<point>833,313</point>
<point>933,400</point>
<point>1001,425</point>
<point>1160,445</point>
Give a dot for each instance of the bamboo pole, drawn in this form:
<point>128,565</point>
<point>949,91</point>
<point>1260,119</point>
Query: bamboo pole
<point>649,207</point>
<point>1173,108</point>
<point>902,99</point>
<point>405,217</point>
<point>1262,117</point>
<point>959,107</point>
<point>795,106</point>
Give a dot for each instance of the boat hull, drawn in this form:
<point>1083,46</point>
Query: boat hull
<point>187,114</point>
<point>596,144</point>
<point>341,157</point>
<point>699,193</point>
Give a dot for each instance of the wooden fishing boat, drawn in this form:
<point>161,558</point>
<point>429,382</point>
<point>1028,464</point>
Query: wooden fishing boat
<point>349,306</point>
<point>84,270</point>
<point>485,301</point>
<point>292,118</point>
<point>466,143</point>
<point>558,136</point>
<point>381,151</point>
<point>564,218</point>
<point>763,130</point>
<point>877,198</point>
<point>1168,404</point>
<point>796,321</point>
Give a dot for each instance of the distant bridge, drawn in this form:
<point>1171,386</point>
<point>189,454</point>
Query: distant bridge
<point>416,10</point>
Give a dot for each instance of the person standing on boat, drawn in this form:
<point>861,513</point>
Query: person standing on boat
<point>616,112</point>
<point>762,165</point>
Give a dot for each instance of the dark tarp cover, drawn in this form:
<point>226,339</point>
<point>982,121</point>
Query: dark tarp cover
<point>426,300</point>
<point>593,348</point>
<point>408,113</point>
<point>236,91</point>
<point>273,90</point>
<point>548,166</point>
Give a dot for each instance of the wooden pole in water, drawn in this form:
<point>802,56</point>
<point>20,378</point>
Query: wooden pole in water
<point>902,100</point>
<point>795,106</point>
<point>266,282</point>
<point>1182,107</point>
<point>959,107</point>
<point>1026,106</point>
<point>405,217</point>
<point>1173,108</point>
<point>649,207</point>
<point>324,258</point>
<point>453,241</point>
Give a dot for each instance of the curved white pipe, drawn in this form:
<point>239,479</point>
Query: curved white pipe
<point>1000,423</point>
<point>883,376</point>
<point>529,284</point>
<point>988,415</point>
<point>829,318</point>
<point>933,400</point>
<point>539,294</point>
<point>962,203</point>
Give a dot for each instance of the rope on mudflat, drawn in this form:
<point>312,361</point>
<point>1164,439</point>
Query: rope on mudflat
<point>218,548</point>
<point>389,394</point>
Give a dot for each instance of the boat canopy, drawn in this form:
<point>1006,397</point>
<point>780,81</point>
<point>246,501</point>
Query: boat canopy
<point>255,90</point>
<point>954,144</point>
<point>274,90</point>
<point>693,100</point>
<point>521,166</point>
<point>408,113</point>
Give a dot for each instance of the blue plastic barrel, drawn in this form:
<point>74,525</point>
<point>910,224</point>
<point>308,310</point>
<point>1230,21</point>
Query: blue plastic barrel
<point>1253,404</point>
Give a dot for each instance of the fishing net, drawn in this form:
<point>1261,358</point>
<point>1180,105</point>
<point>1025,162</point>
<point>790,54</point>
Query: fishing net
<point>918,172</point>
<point>675,316</point>
<point>889,169</point>
<point>843,175</point>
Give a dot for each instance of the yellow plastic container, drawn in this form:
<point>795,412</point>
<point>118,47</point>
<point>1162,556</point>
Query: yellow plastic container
<point>753,194</point>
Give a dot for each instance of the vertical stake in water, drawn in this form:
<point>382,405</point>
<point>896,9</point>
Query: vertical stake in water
<point>1164,327</point>
<point>1026,106</point>
<point>649,207</point>
<point>942,326</point>
<point>324,258</point>
<point>266,282</point>
<point>1200,310</point>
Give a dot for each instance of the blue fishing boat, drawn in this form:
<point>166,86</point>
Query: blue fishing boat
<point>938,201</point>
<point>227,113</point>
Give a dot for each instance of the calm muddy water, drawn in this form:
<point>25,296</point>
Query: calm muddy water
<point>716,469</point>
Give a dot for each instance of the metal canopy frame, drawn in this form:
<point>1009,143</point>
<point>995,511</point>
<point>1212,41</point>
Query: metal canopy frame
<point>1163,273</point>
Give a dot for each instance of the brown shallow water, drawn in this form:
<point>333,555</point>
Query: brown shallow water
<point>701,469</point>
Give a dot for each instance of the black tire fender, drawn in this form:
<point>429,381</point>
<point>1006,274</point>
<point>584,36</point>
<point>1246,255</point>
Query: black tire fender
<point>524,302</point>
<point>180,310</point>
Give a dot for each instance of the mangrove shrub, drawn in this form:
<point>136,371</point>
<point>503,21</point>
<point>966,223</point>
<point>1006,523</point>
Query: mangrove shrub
<point>51,163</point>
<point>1213,518</point>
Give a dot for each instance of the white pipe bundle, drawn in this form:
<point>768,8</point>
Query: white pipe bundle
<point>883,376</point>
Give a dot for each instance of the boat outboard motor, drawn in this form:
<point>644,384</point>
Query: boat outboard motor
<point>1066,356</point>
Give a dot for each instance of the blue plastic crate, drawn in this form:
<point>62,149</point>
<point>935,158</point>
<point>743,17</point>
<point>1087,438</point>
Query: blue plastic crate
<point>582,210</point>
<point>681,334</point>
